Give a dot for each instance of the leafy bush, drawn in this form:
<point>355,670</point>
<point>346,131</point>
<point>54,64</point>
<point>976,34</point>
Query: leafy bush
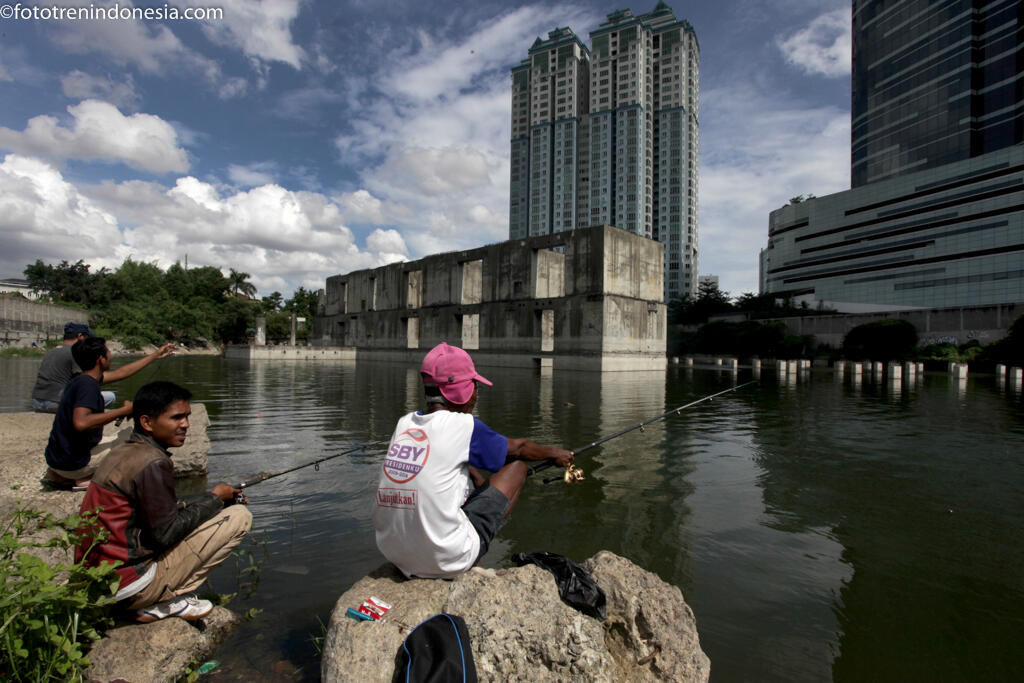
<point>49,616</point>
<point>881,340</point>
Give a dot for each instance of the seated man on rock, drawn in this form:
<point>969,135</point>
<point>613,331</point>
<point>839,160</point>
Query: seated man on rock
<point>58,367</point>
<point>166,547</point>
<point>78,425</point>
<point>435,515</point>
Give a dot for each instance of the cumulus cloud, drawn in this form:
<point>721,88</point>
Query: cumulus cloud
<point>823,46</point>
<point>42,216</point>
<point>5,75</point>
<point>261,29</point>
<point>98,131</point>
<point>79,85</point>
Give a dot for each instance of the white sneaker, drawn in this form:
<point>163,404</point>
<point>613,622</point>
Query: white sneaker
<point>187,607</point>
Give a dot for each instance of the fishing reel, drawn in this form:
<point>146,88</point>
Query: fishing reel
<point>572,474</point>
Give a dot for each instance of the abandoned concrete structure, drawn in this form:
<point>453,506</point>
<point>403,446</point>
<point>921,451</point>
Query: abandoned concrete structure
<point>588,299</point>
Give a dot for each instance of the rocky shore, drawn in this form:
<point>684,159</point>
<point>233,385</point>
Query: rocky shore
<point>140,653</point>
<point>520,630</point>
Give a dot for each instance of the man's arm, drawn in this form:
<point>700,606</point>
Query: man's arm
<point>84,419</point>
<point>167,519</point>
<point>133,367</point>
<point>524,449</point>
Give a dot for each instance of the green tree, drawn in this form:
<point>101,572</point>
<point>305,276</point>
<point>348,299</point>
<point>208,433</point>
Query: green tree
<point>272,303</point>
<point>239,283</point>
<point>710,301</point>
<point>64,283</point>
<point>881,340</point>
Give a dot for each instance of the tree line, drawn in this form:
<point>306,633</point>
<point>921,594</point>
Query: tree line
<point>139,303</point>
<point>881,340</point>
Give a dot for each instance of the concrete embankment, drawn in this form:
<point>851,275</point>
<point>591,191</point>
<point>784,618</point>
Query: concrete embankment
<point>159,651</point>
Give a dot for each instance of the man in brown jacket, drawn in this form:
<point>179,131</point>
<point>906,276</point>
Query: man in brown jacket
<point>166,546</point>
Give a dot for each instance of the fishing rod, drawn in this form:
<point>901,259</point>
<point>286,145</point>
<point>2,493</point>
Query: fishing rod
<point>263,476</point>
<point>573,473</point>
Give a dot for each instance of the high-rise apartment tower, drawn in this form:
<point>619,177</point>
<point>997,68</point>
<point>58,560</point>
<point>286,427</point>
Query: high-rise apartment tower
<point>608,135</point>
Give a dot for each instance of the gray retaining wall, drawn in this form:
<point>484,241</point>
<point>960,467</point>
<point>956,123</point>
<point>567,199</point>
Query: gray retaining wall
<point>23,322</point>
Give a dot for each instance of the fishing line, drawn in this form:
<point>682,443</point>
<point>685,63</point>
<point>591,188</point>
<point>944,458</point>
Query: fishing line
<point>573,473</point>
<point>264,476</point>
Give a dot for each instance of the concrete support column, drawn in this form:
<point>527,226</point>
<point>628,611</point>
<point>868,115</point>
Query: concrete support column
<point>292,340</point>
<point>895,371</point>
<point>261,331</point>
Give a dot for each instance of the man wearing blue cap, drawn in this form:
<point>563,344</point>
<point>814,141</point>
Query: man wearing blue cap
<point>58,367</point>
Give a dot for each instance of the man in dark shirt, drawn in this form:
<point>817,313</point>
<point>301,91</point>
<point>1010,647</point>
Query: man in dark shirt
<point>78,424</point>
<point>166,547</point>
<point>58,367</point>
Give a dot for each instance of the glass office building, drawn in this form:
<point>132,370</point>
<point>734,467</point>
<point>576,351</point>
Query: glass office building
<point>936,214</point>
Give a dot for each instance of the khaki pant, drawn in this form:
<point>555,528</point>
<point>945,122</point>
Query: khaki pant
<point>183,568</point>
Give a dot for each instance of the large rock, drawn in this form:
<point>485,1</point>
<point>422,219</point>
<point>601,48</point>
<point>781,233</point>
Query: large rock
<point>160,651</point>
<point>190,459</point>
<point>522,631</point>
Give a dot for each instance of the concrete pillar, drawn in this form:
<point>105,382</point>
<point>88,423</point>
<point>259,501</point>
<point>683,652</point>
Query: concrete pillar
<point>1016,378</point>
<point>292,340</point>
<point>261,331</point>
<point>920,368</point>
<point>688,361</point>
<point>733,363</point>
<point>675,360</point>
<point>717,360</point>
<point>755,364</point>
<point>877,367</point>
<point>895,371</point>
<point>805,364</point>
<point>960,370</point>
<point>1001,371</point>
<point>909,370</point>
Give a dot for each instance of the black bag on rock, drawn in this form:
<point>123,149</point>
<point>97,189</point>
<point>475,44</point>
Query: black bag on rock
<point>436,651</point>
<point>575,584</point>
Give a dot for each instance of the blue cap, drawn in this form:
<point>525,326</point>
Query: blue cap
<point>77,328</point>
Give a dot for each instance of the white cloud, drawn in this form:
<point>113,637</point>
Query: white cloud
<point>261,173</point>
<point>806,152</point>
<point>389,244</point>
<point>5,75</point>
<point>98,131</point>
<point>149,46</point>
<point>79,85</point>
<point>259,28</point>
<point>42,216</point>
<point>823,46</point>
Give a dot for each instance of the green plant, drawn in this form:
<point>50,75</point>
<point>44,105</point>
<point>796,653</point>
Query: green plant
<point>881,340</point>
<point>49,615</point>
<point>318,640</point>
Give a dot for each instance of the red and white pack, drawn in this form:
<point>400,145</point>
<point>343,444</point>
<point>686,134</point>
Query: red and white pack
<point>375,608</point>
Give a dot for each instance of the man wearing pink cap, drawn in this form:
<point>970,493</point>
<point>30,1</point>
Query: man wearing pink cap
<point>435,515</point>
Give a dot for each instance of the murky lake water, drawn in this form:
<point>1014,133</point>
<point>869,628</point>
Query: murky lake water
<point>818,529</point>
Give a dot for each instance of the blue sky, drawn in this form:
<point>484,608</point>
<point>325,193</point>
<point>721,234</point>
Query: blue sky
<point>297,139</point>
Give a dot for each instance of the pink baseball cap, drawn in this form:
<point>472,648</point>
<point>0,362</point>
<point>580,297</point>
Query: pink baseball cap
<point>452,371</point>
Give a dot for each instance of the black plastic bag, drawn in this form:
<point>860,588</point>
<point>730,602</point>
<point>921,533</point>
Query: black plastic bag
<point>436,651</point>
<point>576,586</point>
